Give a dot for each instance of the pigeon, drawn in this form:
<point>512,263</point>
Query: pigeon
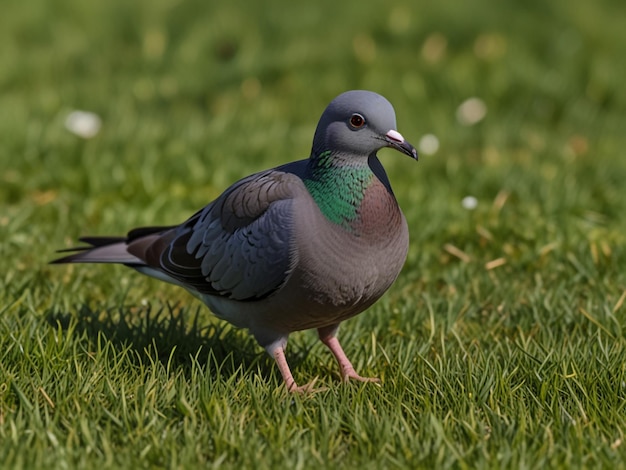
<point>305,245</point>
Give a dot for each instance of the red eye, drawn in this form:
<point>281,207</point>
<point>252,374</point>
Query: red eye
<point>356,121</point>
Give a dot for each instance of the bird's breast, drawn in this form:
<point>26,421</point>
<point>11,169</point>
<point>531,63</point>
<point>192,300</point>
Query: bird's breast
<point>379,218</point>
<point>348,268</point>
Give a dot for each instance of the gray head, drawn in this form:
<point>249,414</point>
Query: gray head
<point>359,123</point>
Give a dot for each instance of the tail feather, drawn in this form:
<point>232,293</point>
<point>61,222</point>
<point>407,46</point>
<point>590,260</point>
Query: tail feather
<point>112,249</point>
<point>101,241</point>
<point>99,252</point>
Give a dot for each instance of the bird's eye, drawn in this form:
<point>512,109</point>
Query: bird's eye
<point>357,121</point>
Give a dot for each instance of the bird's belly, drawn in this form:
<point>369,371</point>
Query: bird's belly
<point>357,280</point>
<point>339,275</point>
<point>335,275</point>
<point>319,294</point>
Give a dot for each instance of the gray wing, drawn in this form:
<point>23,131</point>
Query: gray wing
<point>240,246</point>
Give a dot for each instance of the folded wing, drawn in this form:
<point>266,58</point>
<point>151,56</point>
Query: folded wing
<point>240,246</point>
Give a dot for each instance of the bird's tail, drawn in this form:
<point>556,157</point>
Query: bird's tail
<point>114,249</point>
<point>101,250</point>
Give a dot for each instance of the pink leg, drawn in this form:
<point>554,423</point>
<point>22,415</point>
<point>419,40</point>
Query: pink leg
<point>345,366</point>
<point>285,371</point>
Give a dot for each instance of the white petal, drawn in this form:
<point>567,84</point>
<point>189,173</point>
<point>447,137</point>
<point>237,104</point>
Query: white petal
<point>469,202</point>
<point>471,111</point>
<point>428,144</point>
<point>83,123</point>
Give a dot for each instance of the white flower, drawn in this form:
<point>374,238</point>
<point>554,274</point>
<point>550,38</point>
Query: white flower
<point>428,144</point>
<point>83,123</point>
<point>471,111</point>
<point>469,202</point>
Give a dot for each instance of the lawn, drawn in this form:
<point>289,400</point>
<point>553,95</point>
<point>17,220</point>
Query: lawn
<point>501,345</point>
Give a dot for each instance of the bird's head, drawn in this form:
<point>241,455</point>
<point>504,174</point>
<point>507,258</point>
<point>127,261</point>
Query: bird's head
<point>359,123</point>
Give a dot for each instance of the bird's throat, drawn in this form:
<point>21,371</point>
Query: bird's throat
<point>338,187</point>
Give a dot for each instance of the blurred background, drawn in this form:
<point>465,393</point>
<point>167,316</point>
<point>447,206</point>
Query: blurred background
<point>115,114</point>
<point>501,342</point>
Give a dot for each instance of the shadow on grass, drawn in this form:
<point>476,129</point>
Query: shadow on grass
<point>171,335</point>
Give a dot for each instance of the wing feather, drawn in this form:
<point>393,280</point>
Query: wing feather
<point>240,246</point>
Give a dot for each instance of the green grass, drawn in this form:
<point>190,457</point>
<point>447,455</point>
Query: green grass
<point>501,345</point>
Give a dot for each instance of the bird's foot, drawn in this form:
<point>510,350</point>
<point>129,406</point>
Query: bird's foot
<point>345,366</point>
<point>307,389</point>
<point>350,374</point>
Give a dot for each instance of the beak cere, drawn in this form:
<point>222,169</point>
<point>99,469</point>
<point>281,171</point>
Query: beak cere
<point>395,136</point>
<point>395,140</point>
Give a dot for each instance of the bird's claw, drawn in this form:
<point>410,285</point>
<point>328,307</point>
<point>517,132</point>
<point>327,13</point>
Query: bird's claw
<point>307,389</point>
<point>352,375</point>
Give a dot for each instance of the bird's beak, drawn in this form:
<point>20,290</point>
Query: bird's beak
<point>395,140</point>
